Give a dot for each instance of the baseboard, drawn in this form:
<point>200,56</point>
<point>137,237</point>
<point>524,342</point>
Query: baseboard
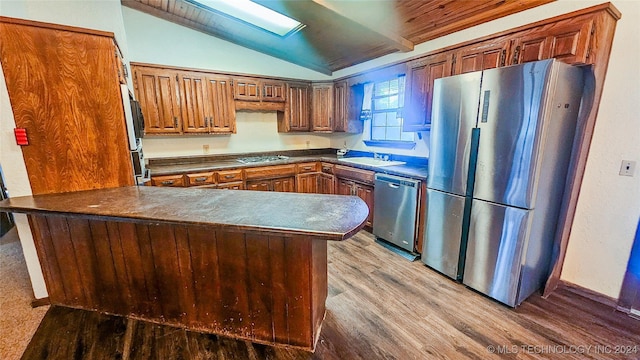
<point>590,294</point>
<point>40,302</point>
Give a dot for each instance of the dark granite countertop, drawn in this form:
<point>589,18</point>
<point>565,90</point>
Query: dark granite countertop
<point>328,217</point>
<point>418,172</point>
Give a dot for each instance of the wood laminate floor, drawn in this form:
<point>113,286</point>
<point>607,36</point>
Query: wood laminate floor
<point>380,306</point>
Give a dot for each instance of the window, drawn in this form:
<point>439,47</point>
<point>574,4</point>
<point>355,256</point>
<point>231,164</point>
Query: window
<point>254,14</point>
<point>386,112</point>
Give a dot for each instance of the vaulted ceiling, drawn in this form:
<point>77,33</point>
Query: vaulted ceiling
<point>339,33</point>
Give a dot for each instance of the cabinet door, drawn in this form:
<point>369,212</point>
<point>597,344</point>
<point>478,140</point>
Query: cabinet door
<point>344,187</point>
<point>273,91</point>
<point>247,89</point>
<point>567,40</point>
<point>420,78</point>
<point>221,109</point>
<point>531,47</point>
<point>365,192</point>
<point>157,92</point>
<point>326,184</point>
<point>340,103</point>
<point>322,107</point>
<point>307,183</point>
<point>287,184</point>
<point>570,42</point>
<point>260,185</point>
<point>237,185</point>
<point>486,55</point>
<point>298,109</point>
<point>193,95</point>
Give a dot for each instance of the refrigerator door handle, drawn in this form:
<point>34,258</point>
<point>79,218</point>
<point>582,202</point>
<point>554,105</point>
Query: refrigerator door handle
<point>485,106</point>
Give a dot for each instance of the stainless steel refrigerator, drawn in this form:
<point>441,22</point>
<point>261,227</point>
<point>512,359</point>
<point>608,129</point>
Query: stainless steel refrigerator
<point>500,146</point>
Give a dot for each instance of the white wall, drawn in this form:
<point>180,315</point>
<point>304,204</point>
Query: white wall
<point>256,132</point>
<point>99,15</point>
<point>609,205</point>
<point>156,41</point>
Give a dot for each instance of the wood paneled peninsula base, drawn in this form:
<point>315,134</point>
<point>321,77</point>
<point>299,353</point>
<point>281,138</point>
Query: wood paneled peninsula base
<point>245,264</point>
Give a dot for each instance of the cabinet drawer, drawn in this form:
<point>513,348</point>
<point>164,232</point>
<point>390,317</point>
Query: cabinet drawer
<point>205,178</point>
<point>326,168</point>
<point>364,176</point>
<point>266,172</point>
<point>229,176</point>
<point>307,167</point>
<point>168,180</point>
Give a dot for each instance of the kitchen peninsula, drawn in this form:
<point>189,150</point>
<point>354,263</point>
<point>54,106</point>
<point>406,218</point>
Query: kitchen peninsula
<point>244,264</point>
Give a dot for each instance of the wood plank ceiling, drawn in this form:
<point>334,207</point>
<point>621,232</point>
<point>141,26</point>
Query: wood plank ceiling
<point>339,33</point>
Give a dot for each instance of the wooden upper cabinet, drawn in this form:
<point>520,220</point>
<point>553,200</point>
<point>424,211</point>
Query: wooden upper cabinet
<point>157,91</point>
<point>322,107</point>
<point>571,42</point>
<point>253,89</point>
<point>530,47</point>
<point>486,55</point>
<point>568,41</point>
<point>340,105</point>
<point>297,108</point>
<point>221,110</point>
<point>193,95</point>
<point>247,89</point>
<point>420,77</point>
<point>273,91</point>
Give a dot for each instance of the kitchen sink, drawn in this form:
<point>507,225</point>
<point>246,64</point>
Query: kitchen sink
<point>259,159</point>
<point>371,161</point>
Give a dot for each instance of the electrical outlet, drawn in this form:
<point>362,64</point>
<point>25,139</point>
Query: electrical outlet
<point>627,168</point>
<point>205,149</point>
<point>308,144</point>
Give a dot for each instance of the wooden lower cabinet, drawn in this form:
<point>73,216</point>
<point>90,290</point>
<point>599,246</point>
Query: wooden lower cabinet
<point>363,191</point>
<point>285,184</point>
<point>237,185</point>
<point>308,183</point>
<point>168,180</point>
<point>326,184</point>
<point>259,185</point>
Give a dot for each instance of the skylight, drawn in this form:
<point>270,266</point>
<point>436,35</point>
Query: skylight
<point>254,14</point>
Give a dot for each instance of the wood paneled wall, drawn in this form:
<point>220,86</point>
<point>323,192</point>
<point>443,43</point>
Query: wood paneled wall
<point>64,89</point>
<point>267,289</point>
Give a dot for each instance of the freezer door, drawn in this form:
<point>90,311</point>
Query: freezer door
<point>441,246</point>
<point>510,125</point>
<point>454,114</point>
<point>497,236</point>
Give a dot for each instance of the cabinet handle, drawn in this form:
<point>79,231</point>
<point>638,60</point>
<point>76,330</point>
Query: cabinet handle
<point>503,57</point>
<point>516,55</point>
<point>326,169</point>
<point>175,122</point>
<point>201,179</point>
<point>229,176</point>
<point>306,168</point>
<point>168,182</point>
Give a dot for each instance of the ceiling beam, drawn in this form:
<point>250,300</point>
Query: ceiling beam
<point>388,35</point>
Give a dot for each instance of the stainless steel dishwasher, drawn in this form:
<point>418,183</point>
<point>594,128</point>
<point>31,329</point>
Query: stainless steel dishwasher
<point>395,209</point>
